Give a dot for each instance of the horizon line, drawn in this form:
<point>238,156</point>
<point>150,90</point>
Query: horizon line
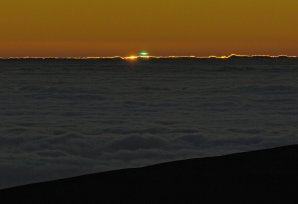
<point>134,57</point>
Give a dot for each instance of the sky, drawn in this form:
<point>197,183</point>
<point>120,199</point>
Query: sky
<point>74,28</point>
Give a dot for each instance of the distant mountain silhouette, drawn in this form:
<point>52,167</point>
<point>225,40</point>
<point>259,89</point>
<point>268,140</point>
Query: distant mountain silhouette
<point>232,56</point>
<point>265,176</point>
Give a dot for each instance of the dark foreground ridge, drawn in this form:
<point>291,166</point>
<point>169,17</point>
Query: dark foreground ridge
<point>265,176</point>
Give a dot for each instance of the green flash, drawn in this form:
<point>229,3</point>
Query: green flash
<point>144,53</point>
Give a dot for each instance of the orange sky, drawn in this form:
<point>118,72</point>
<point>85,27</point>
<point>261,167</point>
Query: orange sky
<point>162,27</point>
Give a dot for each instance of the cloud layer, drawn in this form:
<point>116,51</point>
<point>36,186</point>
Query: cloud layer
<point>67,118</point>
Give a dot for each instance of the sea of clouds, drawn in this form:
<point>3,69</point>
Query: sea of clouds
<point>62,118</point>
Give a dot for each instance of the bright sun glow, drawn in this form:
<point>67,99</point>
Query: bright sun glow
<point>131,57</point>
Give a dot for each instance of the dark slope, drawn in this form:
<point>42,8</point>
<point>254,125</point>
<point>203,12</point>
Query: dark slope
<point>266,176</point>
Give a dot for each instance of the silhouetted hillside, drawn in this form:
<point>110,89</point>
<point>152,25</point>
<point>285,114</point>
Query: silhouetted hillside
<point>266,176</point>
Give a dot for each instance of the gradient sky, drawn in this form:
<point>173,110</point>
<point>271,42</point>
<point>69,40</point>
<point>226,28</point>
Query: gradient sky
<point>176,27</point>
